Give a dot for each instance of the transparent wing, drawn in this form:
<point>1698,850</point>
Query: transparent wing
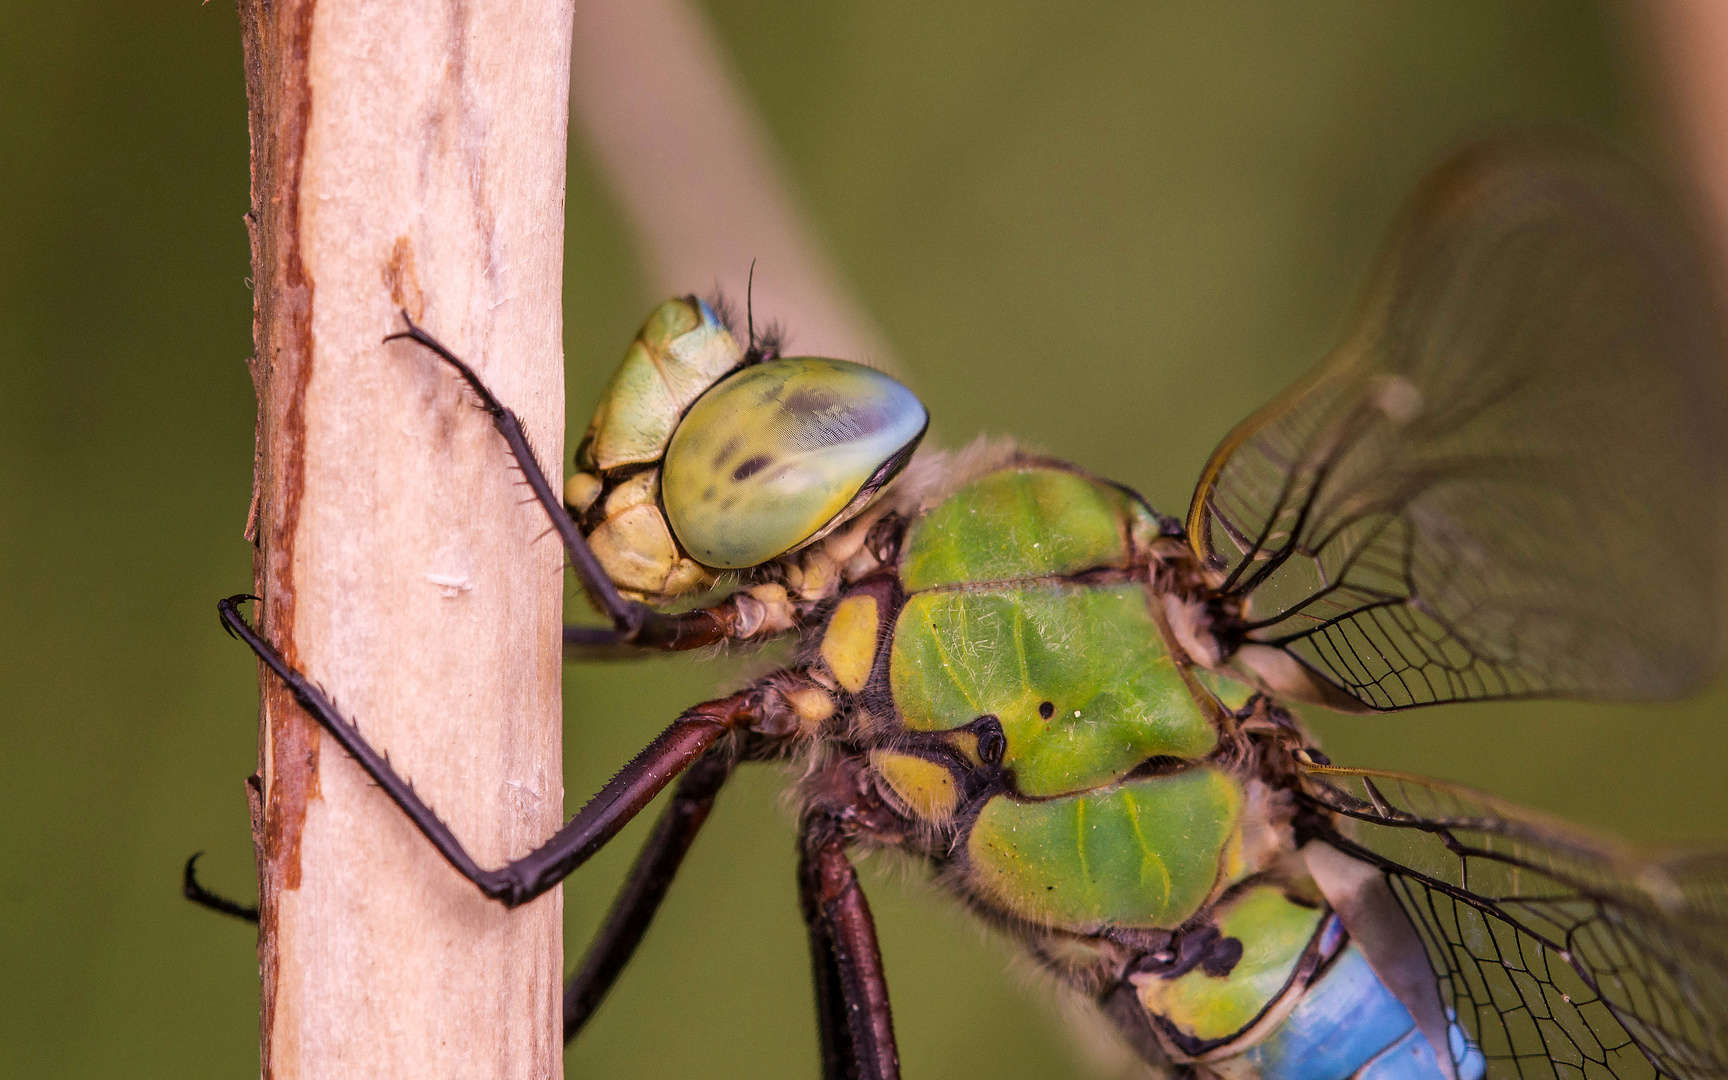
<point>1562,955</point>
<point>1507,480</point>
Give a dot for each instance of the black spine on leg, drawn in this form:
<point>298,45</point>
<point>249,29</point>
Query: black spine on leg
<point>633,621</point>
<point>650,879</point>
<point>857,1024</point>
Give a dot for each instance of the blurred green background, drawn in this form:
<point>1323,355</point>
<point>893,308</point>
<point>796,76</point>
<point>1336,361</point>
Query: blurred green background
<point>1110,230</point>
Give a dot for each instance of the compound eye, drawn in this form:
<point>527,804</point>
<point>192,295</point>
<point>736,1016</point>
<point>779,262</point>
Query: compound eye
<point>779,453</point>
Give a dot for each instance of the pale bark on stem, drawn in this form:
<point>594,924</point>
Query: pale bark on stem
<point>1689,40</point>
<point>407,154</point>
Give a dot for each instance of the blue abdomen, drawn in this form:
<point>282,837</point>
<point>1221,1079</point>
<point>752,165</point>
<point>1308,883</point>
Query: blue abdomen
<point>1348,1025</point>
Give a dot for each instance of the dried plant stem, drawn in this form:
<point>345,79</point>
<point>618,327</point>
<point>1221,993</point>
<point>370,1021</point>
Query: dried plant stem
<point>1690,45</point>
<point>697,173</point>
<point>407,154</point>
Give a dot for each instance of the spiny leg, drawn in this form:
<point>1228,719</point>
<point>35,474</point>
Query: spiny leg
<point>635,626</point>
<point>633,622</point>
<point>628,617</point>
<point>856,1023</point>
<point>588,831</point>
<point>633,909</point>
<point>639,899</point>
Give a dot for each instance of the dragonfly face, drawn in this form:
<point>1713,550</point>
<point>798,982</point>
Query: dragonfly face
<point>1072,707</point>
<point>701,458</point>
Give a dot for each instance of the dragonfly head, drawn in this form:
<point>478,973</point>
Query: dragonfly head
<point>699,461</point>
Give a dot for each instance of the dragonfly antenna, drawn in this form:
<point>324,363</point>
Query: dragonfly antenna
<point>749,314</point>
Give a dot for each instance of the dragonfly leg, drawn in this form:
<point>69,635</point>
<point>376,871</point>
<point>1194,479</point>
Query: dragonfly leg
<point>650,879</point>
<point>194,891</point>
<point>853,1015</point>
<point>833,1033</point>
<point>632,910</point>
<point>737,617</point>
<point>633,621</point>
<point>516,883</point>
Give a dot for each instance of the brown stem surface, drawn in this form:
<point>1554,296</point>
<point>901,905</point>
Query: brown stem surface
<point>407,154</point>
<point>1688,40</point>
<point>698,175</point>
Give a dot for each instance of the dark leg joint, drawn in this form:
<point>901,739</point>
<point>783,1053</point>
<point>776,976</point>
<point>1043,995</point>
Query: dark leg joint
<point>687,630</point>
<point>622,798</point>
<point>655,632</point>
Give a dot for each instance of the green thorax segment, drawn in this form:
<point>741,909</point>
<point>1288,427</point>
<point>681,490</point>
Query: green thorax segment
<point>1266,948</point>
<point>1146,853</point>
<point>997,625</point>
<point>1025,521</point>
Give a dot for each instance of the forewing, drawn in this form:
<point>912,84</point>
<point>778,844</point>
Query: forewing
<point>1507,480</point>
<point>1562,955</point>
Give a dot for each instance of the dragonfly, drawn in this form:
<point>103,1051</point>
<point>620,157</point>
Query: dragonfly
<point>1078,712</point>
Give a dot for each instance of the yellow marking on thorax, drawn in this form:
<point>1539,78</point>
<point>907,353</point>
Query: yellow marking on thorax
<point>849,643</point>
<point>812,705</point>
<point>926,788</point>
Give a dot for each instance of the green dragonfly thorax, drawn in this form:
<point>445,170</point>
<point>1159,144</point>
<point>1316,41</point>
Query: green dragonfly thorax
<point>1069,766</point>
<point>998,622</point>
<point>1028,608</point>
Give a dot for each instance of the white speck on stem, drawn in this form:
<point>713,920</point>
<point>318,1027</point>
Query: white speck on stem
<point>452,571</point>
<point>451,584</point>
<point>524,796</point>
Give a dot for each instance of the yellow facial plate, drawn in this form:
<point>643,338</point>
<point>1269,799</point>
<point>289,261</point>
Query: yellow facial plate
<point>635,549</point>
